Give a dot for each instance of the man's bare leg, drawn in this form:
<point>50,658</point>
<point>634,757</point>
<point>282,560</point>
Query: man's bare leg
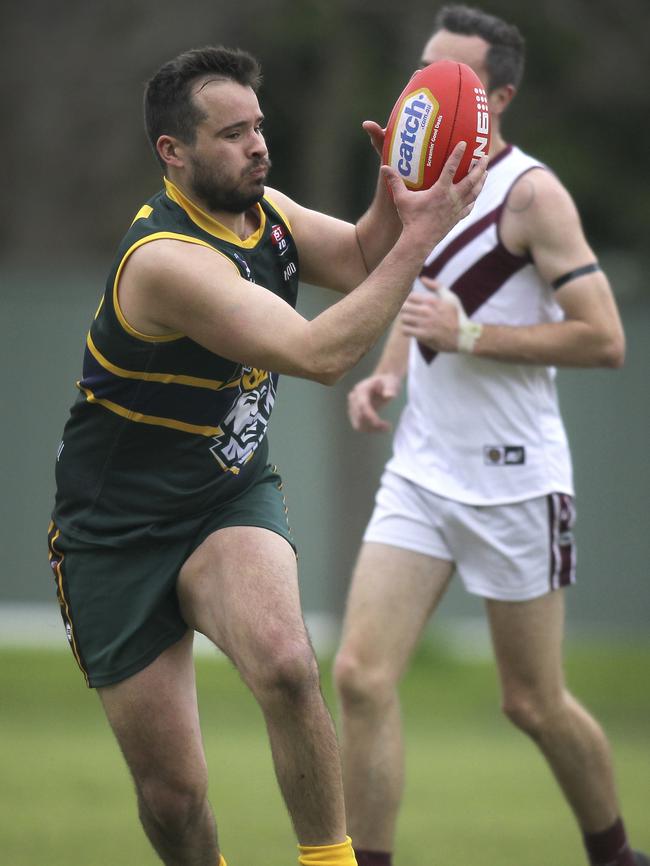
<point>392,595</point>
<point>155,719</point>
<point>527,639</point>
<point>240,588</point>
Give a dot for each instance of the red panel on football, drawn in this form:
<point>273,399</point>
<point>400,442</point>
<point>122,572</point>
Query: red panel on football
<point>442,104</point>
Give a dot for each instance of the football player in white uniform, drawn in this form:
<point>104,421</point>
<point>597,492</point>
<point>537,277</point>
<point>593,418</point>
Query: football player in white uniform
<point>480,480</point>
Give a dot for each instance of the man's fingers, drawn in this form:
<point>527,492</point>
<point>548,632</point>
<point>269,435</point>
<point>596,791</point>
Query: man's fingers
<point>366,420</point>
<point>431,285</point>
<point>392,180</point>
<point>374,130</point>
<point>372,421</point>
<point>450,167</point>
<point>388,391</point>
<point>472,183</point>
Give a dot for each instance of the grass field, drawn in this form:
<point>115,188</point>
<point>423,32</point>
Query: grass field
<point>477,792</point>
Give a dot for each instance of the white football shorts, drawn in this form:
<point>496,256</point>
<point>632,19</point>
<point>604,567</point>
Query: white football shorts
<point>510,552</point>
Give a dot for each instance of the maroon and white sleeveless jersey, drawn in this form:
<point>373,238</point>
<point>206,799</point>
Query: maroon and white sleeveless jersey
<point>480,431</point>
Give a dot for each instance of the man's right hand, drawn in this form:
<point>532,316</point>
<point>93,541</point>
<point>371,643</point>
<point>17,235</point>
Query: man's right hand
<point>369,396</point>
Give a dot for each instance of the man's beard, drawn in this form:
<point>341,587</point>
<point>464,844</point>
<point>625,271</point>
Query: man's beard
<point>212,190</point>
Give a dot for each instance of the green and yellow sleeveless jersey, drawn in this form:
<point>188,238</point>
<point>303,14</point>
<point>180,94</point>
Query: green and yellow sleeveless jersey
<point>164,430</point>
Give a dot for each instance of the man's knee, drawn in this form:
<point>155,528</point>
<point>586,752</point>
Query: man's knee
<point>173,805</point>
<point>285,670</point>
<point>532,713</point>
<point>361,685</point>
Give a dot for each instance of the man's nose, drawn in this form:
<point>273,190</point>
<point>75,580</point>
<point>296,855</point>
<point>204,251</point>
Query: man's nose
<point>258,144</point>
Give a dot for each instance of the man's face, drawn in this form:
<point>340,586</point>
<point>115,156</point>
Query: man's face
<point>228,163</point>
<point>471,50</point>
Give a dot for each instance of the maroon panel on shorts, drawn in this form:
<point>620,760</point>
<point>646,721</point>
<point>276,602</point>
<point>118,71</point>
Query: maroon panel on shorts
<point>561,520</point>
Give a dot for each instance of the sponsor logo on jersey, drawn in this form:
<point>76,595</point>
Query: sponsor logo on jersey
<point>289,271</point>
<point>279,239</point>
<point>245,267</point>
<point>504,455</point>
<point>244,426</point>
<point>418,113</point>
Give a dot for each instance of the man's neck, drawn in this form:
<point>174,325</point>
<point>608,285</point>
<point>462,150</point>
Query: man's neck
<point>240,224</point>
<point>497,143</point>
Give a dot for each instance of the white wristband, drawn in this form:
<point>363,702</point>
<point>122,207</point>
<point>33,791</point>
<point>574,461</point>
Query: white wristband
<point>468,334</point>
<point>468,331</point>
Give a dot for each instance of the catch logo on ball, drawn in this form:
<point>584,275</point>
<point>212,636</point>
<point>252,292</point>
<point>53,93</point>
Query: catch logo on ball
<point>414,135</point>
<point>442,104</point>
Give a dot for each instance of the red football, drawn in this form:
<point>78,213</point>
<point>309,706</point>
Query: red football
<point>442,104</point>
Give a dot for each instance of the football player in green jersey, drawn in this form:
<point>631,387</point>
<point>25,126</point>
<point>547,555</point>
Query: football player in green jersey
<point>168,518</point>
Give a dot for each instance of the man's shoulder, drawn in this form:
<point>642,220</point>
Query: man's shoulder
<point>518,159</point>
<point>527,169</point>
<point>279,204</point>
<point>157,212</point>
<point>535,201</point>
<point>538,189</point>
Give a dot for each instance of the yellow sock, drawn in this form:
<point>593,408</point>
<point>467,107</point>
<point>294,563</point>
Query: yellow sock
<point>340,854</point>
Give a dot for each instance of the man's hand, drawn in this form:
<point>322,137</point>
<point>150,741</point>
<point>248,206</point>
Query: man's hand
<point>427,215</point>
<point>369,396</point>
<point>376,134</point>
<point>432,318</point>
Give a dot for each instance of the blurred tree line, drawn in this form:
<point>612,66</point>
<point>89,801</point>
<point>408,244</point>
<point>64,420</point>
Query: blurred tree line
<point>77,165</point>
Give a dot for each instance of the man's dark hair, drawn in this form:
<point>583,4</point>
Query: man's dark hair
<point>168,105</point>
<point>506,54</point>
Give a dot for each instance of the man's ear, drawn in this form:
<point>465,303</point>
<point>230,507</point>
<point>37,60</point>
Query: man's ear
<point>500,98</point>
<point>171,151</point>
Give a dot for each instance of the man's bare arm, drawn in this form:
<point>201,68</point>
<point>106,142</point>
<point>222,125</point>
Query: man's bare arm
<point>169,286</point>
<point>541,219</point>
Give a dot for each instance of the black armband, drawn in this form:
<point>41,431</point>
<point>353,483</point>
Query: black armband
<point>572,275</point>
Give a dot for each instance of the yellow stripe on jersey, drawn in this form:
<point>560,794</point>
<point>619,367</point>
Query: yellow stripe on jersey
<point>210,224</point>
<point>145,211</point>
<point>152,338</point>
<point>165,378</point>
<point>140,418</point>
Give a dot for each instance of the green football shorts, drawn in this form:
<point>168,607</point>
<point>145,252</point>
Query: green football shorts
<point>119,604</point>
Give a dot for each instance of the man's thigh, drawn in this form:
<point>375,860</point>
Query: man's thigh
<point>527,637</point>
<point>240,588</point>
<point>154,716</point>
<point>393,593</point>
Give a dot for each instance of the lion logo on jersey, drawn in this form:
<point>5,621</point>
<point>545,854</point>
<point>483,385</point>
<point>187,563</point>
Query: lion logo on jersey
<point>244,426</point>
